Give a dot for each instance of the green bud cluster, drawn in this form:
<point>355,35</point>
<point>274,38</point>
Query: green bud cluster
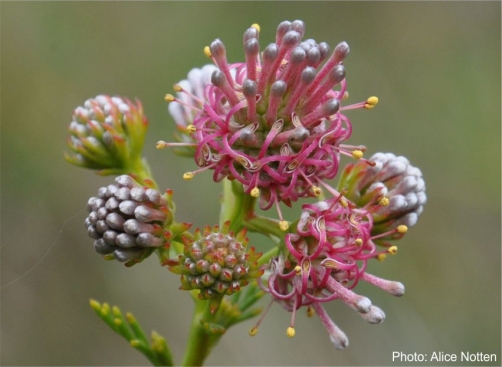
<point>217,262</point>
<point>107,134</point>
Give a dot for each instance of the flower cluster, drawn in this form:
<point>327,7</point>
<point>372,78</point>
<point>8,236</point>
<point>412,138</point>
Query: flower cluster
<point>273,122</point>
<point>127,220</point>
<point>107,133</point>
<point>326,258</point>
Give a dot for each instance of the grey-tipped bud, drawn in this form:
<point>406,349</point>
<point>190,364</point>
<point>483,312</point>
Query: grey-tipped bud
<point>149,240</point>
<point>362,304</point>
<point>218,78</point>
<point>250,33</point>
<point>252,47</point>
<point>297,55</point>
<point>308,75</point>
<point>339,340</point>
<point>299,26</point>
<point>374,316</point>
<point>124,193</point>
<point>128,207</point>
<point>278,88</point>
<point>115,221</point>
<point>146,214</point>
<point>133,226</point>
<point>331,107</point>
<point>324,50</point>
<point>270,52</point>
<point>291,39</point>
<point>313,56</point>
<point>249,88</point>
<point>124,255</point>
<point>126,181</point>
<point>217,48</point>
<point>337,74</point>
<point>125,240</point>
<point>282,29</point>
<point>138,194</point>
<point>341,51</point>
<point>102,247</point>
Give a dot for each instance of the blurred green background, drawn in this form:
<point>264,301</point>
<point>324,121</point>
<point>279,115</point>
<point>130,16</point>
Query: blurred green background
<point>436,70</point>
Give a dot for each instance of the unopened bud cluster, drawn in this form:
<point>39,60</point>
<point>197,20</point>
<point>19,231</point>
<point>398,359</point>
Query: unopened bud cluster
<point>217,263</point>
<point>127,220</point>
<point>392,180</point>
<point>107,133</point>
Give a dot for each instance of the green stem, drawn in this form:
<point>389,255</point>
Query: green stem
<point>200,341</point>
<point>141,170</point>
<point>265,226</point>
<point>236,205</point>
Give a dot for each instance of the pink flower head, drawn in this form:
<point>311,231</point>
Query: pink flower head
<point>327,257</point>
<point>273,122</point>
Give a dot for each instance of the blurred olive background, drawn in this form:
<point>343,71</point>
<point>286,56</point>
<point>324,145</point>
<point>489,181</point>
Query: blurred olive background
<point>436,70</point>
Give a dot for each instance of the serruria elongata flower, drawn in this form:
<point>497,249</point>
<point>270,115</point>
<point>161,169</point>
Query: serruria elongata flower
<point>273,122</point>
<point>325,260</point>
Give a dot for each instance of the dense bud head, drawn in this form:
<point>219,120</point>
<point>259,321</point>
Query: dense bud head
<point>127,220</point>
<point>107,133</point>
<point>217,263</point>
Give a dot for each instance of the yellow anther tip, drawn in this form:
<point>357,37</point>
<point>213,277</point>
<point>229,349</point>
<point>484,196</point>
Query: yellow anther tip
<point>357,154</point>
<point>384,201</point>
<point>310,311</point>
<point>392,250</point>
<point>316,190</point>
<point>358,242</point>
<point>344,203</point>
<point>161,144</point>
<point>290,332</point>
<point>253,331</point>
<point>402,229</point>
<point>256,26</point>
<point>255,192</point>
<point>207,51</point>
<point>168,98</point>
<point>381,257</point>
<point>345,95</point>
<point>298,269</point>
<point>284,225</point>
<point>191,128</point>
<point>372,101</point>
<point>188,176</point>
<point>177,88</point>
